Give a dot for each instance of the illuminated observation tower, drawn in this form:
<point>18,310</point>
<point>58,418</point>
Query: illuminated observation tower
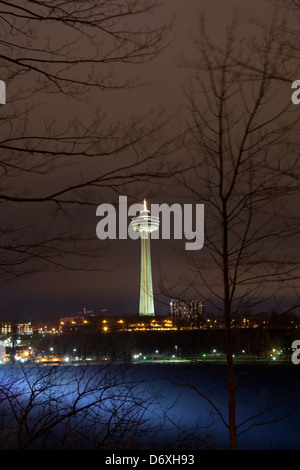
<point>145,224</point>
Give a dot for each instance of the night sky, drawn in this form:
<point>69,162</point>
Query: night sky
<point>109,279</point>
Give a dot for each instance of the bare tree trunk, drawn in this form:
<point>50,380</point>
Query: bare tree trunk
<point>245,156</point>
<point>228,339</point>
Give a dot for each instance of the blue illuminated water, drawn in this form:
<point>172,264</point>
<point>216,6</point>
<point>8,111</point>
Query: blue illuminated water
<point>171,406</point>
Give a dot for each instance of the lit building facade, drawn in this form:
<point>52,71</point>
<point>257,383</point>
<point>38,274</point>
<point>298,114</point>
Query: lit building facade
<point>82,318</point>
<point>186,314</point>
<point>145,224</point>
<point>23,328</point>
<point>9,327</point>
<point>5,327</point>
<point>78,320</point>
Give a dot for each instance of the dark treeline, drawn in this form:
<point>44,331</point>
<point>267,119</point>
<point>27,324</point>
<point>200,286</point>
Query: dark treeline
<point>85,341</point>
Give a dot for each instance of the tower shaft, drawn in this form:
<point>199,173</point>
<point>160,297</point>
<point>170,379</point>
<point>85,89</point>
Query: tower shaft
<point>146,290</point>
<point>145,224</point>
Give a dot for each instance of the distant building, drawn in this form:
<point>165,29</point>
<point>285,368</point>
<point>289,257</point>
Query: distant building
<point>186,314</point>
<point>23,328</point>
<point>76,320</point>
<point>10,327</point>
<point>6,327</point>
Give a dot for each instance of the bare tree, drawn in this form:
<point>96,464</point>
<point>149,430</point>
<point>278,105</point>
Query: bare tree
<point>243,130</point>
<point>93,407</point>
<point>66,407</point>
<point>58,58</point>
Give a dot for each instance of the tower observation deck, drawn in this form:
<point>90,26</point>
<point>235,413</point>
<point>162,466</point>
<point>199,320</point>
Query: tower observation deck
<point>145,224</point>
